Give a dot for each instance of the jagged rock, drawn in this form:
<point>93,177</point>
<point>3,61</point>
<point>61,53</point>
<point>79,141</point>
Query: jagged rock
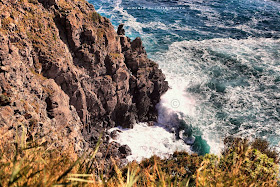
<point>125,150</point>
<point>121,30</point>
<point>71,74</point>
<point>114,134</point>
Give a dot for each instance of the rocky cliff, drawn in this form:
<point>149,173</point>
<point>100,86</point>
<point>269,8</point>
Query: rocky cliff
<point>67,75</point>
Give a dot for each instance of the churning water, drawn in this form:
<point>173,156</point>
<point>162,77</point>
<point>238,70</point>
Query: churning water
<point>222,62</point>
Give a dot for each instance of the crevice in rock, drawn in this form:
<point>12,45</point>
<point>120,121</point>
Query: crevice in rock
<point>49,108</point>
<point>108,65</point>
<point>59,21</point>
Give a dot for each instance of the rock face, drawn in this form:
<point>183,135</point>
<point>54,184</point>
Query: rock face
<point>63,68</point>
<point>121,30</point>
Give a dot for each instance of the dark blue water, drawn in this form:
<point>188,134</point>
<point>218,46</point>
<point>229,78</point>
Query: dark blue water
<point>195,20</point>
<point>221,58</point>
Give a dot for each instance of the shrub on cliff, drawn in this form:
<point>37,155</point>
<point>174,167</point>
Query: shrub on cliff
<point>242,163</point>
<point>248,168</point>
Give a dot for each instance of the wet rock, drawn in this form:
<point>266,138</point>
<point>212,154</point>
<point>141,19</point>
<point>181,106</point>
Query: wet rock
<point>189,140</point>
<point>114,134</point>
<point>125,150</point>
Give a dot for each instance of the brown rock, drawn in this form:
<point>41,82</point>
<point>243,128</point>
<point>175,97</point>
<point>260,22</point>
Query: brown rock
<point>73,73</point>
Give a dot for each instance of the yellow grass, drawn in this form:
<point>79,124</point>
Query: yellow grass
<point>33,164</point>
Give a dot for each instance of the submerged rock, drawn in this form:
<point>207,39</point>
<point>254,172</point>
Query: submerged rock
<point>189,140</point>
<point>125,150</point>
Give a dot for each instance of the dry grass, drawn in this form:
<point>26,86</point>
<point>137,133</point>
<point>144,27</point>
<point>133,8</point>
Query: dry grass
<point>100,33</point>
<point>37,75</point>
<point>34,24</point>
<point>65,5</point>
<point>240,165</point>
<point>115,55</point>
<point>25,163</point>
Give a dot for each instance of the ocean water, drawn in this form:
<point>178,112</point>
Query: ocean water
<point>222,62</point>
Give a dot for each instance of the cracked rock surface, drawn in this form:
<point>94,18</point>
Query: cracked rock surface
<point>67,75</point>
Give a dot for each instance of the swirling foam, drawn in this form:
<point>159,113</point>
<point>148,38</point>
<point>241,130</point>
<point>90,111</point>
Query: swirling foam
<point>146,141</point>
<point>234,83</point>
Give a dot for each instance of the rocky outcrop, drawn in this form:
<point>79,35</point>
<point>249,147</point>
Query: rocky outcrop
<point>64,68</point>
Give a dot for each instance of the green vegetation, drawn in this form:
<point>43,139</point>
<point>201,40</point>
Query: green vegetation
<point>65,6</point>
<point>115,55</point>
<point>4,99</point>
<point>95,17</point>
<point>33,1</point>
<point>242,163</point>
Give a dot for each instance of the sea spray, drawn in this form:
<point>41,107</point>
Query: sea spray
<point>146,141</point>
<point>171,133</point>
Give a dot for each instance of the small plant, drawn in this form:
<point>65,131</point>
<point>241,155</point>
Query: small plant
<point>54,37</point>
<point>100,33</point>
<point>115,55</point>
<point>263,147</point>
<point>178,170</point>
<point>39,76</point>
<point>65,6</point>
<point>4,100</point>
<point>33,1</point>
<point>5,22</point>
<point>96,17</point>
<point>31,163</point>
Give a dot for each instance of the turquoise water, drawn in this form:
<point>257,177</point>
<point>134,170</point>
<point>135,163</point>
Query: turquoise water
<point>221,58</point>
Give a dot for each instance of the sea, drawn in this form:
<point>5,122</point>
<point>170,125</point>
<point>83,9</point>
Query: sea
<point>221,59</point>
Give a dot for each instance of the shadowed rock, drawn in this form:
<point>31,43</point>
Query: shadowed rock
<point>121,30</point>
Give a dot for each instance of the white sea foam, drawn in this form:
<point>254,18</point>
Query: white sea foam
<point>194,62</point>
<point>129,21</point>
<point>146,141</point>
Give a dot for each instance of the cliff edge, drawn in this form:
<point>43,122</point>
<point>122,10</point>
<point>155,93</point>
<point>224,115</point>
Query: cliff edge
<point>67,75</point>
